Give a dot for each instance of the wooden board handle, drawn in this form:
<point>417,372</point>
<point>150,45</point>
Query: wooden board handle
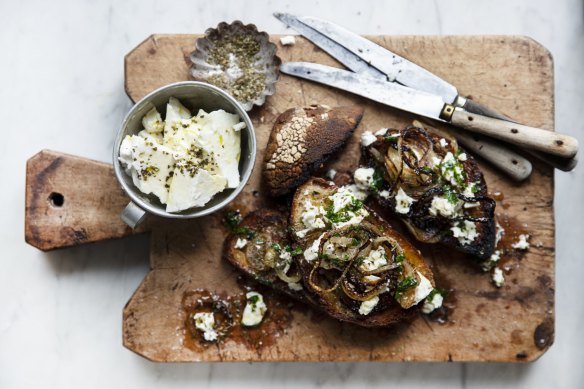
<point>71,201</point>
<point>526,137</point>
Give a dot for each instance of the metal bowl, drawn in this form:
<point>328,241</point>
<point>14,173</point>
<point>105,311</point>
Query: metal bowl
<point>193,95</point>
<point>263,65</point>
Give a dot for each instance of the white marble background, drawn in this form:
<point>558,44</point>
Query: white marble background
<point>61,87</point>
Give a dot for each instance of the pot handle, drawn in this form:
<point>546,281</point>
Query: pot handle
<point>133,215</point>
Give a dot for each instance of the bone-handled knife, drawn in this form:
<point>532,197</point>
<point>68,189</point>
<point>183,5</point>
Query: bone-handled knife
<point>433,107</point>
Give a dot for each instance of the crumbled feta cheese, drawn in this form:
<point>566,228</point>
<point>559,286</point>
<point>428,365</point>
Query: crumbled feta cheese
<point>371,278</point>
<point>465,232</point>
<point>383,131</point>
<point>254,310</point>
<point>311,253</point>
<point>423,289</point>
<point>385,194</point>
<point>205,322</point>
<point>287,40</point>
<point>451,169</point>
<point>522,243</point>
<point>376,259</point>
<point>497,277</point>
<point>356,191</point>
<point>469,190</point>
<point>499,234</point>
<point>492,261</point>
<point>295,286</point>
<point>432,304</point>
<point>331,174</point>
<point>364,177</point>
<point>241,243</point>
<point>462,157</point>
<point>443,142</point>
<point>312,216</point>
<point>402,202</point>
<point>442,206</point>
<point>367,138</point>
<point>367,306</point>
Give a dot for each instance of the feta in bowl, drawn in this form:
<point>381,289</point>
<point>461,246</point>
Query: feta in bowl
<point>183,151</point>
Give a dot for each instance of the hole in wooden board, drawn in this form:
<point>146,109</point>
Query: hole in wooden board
<point>470,118</point>
<point>514,161</point>
<point>56,199</point>
<point>514,130</point>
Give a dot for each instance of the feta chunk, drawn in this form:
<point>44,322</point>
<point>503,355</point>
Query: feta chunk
<point>383,131</point>
<point>364,177</point>
<point>492,261</point>
<point>218,137</point>
<point>367,306</point>
<point>402,202</point>
<point>254,310</point>
<point>149,164</point>
<point>443,142</point>
<point>175,113</point>
<point>152,122</point>
<point>239,126</point>
<point>522,243</point>
<point>497,277</point>
<point>462,157</point>
<point>423,289</point>
<point>241,243</point>
<point>311,253</point>
<point>465,232</point>
<point>432,303</point>
<point>385,194</point>
<point>367,138</point>
<point>376,259</point>
<point>312,217</point>
<point>205,322</point>
<point>287,40</point>
<point>356,191</point>
<point>188,191</point>
<point>331,174</point>
<point>442,206</point>
<point>499,234</point>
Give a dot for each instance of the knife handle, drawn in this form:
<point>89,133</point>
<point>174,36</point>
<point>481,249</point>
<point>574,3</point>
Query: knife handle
<point>527,137</point>
<point>508,161</point>
<point>564,164</point>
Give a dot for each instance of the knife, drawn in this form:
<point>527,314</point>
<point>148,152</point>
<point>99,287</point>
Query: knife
<point>407,73</point>
<point>366,57</point>
<point>433,106</point>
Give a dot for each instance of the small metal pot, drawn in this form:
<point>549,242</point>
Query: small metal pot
<point>194,95</point>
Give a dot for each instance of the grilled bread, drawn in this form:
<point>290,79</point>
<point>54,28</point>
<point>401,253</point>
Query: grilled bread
<point>301,140</point>
<point>262,250</point>
<point>354,264</point>
<point>436,188</point>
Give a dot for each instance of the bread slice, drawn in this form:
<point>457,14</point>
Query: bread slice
<point>301,140</point>
<point>421,163</point>
<point>261,249</point>
<point>337,259</point>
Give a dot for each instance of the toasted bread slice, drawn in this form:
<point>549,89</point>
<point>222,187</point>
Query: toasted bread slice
<point>301,140</point>
<point>263,251</point>
<point>358,268</point>
<point>434,187</point>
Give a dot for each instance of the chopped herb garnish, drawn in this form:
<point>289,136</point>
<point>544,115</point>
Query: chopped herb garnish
<point>231,220</point>
<point>400,258</point>
<point>404,285</point>
<point>377,181</point>
<point>276,247</point>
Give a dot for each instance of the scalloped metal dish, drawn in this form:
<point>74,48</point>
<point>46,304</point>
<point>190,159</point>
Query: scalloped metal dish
<point>265,62</point>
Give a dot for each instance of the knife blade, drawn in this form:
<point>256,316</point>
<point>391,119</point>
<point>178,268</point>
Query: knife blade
<point>394,66</point>
<point>433,107</point>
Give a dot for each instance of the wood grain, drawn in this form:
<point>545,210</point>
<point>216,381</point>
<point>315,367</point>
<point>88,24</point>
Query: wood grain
<point>71,201</point>
<point>514,75</point>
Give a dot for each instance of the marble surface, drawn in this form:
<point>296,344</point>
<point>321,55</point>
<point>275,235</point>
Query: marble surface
<point>62,88</point>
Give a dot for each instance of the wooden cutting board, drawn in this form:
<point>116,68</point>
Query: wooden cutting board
<point>71,201</point>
